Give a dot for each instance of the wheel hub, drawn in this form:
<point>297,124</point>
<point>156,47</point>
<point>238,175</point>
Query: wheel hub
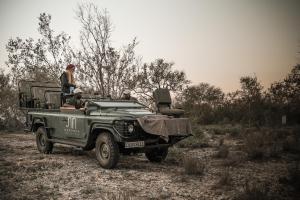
<point>104,151</point>
<point>42,140</point>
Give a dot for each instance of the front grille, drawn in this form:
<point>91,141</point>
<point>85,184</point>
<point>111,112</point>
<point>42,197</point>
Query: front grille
<point>122,128</point>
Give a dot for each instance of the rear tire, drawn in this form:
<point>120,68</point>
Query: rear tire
<point>42,143</point>
<point>157,155</point>
<point>107,151</point>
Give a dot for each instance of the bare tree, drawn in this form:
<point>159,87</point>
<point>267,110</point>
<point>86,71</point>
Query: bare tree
<point>107,70</point>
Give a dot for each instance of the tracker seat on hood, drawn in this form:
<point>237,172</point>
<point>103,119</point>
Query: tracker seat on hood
<point>163,103</point>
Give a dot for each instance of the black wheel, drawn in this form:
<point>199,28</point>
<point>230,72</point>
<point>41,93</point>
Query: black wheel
<point>157,155</point>
<point>42,144</point>
<point>107,151</point>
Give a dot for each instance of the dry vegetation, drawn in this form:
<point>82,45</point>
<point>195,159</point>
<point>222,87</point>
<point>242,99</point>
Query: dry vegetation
<point>250,164</point>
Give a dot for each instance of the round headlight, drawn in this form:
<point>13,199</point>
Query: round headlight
<point>130,128</point>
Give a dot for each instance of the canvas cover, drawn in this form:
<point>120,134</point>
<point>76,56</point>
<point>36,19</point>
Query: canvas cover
<point>165,126</point>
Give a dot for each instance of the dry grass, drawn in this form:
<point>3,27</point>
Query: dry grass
<point>222,152</point>
<point>254,145</point>
<point>119,196</point>
<point>262,144</point>
<point>253,191</point>
<point>293,177</point>
<point>225,179</point>
<point>233,160</point>
<point>233,131</point>
<point>291,144</point>
<point>193,143</point>
<point>193,166</point>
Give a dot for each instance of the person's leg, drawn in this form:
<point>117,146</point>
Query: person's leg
<point>72,90</point>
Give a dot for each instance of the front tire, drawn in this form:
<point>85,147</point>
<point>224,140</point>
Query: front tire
<point>157,155</point>
<point>107,151</point>
<point>42,143</point>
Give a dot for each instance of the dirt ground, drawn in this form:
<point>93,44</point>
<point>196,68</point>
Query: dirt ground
<point>70,173</point>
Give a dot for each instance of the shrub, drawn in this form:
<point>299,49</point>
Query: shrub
<point>119,196</point>
<point>219,131</point>
<point>225,179</point>
<point>234,132</point>
<point>193,166</point>
<point>274,150</point>
<point>193,142</point>
<point>221,141</point>
<point>265,143</point>
<point>233,160</point>
<point>222,152</point>
<point>253,191</point>
<point>291,144</point>
<point>254,145</point>
<point>294,176</point>
<point>174,156</point>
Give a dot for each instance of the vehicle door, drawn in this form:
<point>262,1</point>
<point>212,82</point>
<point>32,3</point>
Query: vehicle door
<point>73,125</point>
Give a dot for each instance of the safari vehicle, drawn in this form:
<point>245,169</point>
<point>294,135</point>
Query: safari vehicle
<point>112,127</point>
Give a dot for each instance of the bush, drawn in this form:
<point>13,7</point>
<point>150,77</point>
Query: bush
<point>222,152</point>
<point>193,166</point>
<point>294,176</point>
<point>260,144</point>
<point>219,131</point>
<point>253,191</point>
<point>233,160</point>
<point>254,145</point>
<point>274,150</point>
<point>291,144</point>
<point>10,115</point>
<point>119,196</point>
<point>194,142</point>
<point>225,179</point>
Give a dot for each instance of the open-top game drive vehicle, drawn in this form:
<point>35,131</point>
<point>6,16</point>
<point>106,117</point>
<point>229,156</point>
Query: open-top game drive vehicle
<point>110,126</point>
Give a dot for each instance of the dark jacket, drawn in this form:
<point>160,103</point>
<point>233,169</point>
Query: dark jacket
<point>65,85</point>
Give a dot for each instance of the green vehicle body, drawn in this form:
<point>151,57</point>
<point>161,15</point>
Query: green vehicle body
<point>83,127</point>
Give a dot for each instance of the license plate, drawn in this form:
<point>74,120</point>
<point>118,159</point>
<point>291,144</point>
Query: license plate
<point>134,144</point>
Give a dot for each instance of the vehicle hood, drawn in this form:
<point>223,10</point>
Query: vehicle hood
<point>134,113</point>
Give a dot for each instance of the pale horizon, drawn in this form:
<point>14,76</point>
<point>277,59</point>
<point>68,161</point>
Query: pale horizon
<point>212,41</point>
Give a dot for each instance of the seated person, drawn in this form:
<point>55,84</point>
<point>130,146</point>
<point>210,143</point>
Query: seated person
<point>127,96</point>
<point>75,100</point>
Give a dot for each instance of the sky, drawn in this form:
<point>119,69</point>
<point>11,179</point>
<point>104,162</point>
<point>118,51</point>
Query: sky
<point>213,41</point>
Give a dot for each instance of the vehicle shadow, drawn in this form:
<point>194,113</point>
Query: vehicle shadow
<point>136,162</point>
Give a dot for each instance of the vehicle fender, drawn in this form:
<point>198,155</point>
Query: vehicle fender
<point>97,127</point>
<point>36,123</point>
